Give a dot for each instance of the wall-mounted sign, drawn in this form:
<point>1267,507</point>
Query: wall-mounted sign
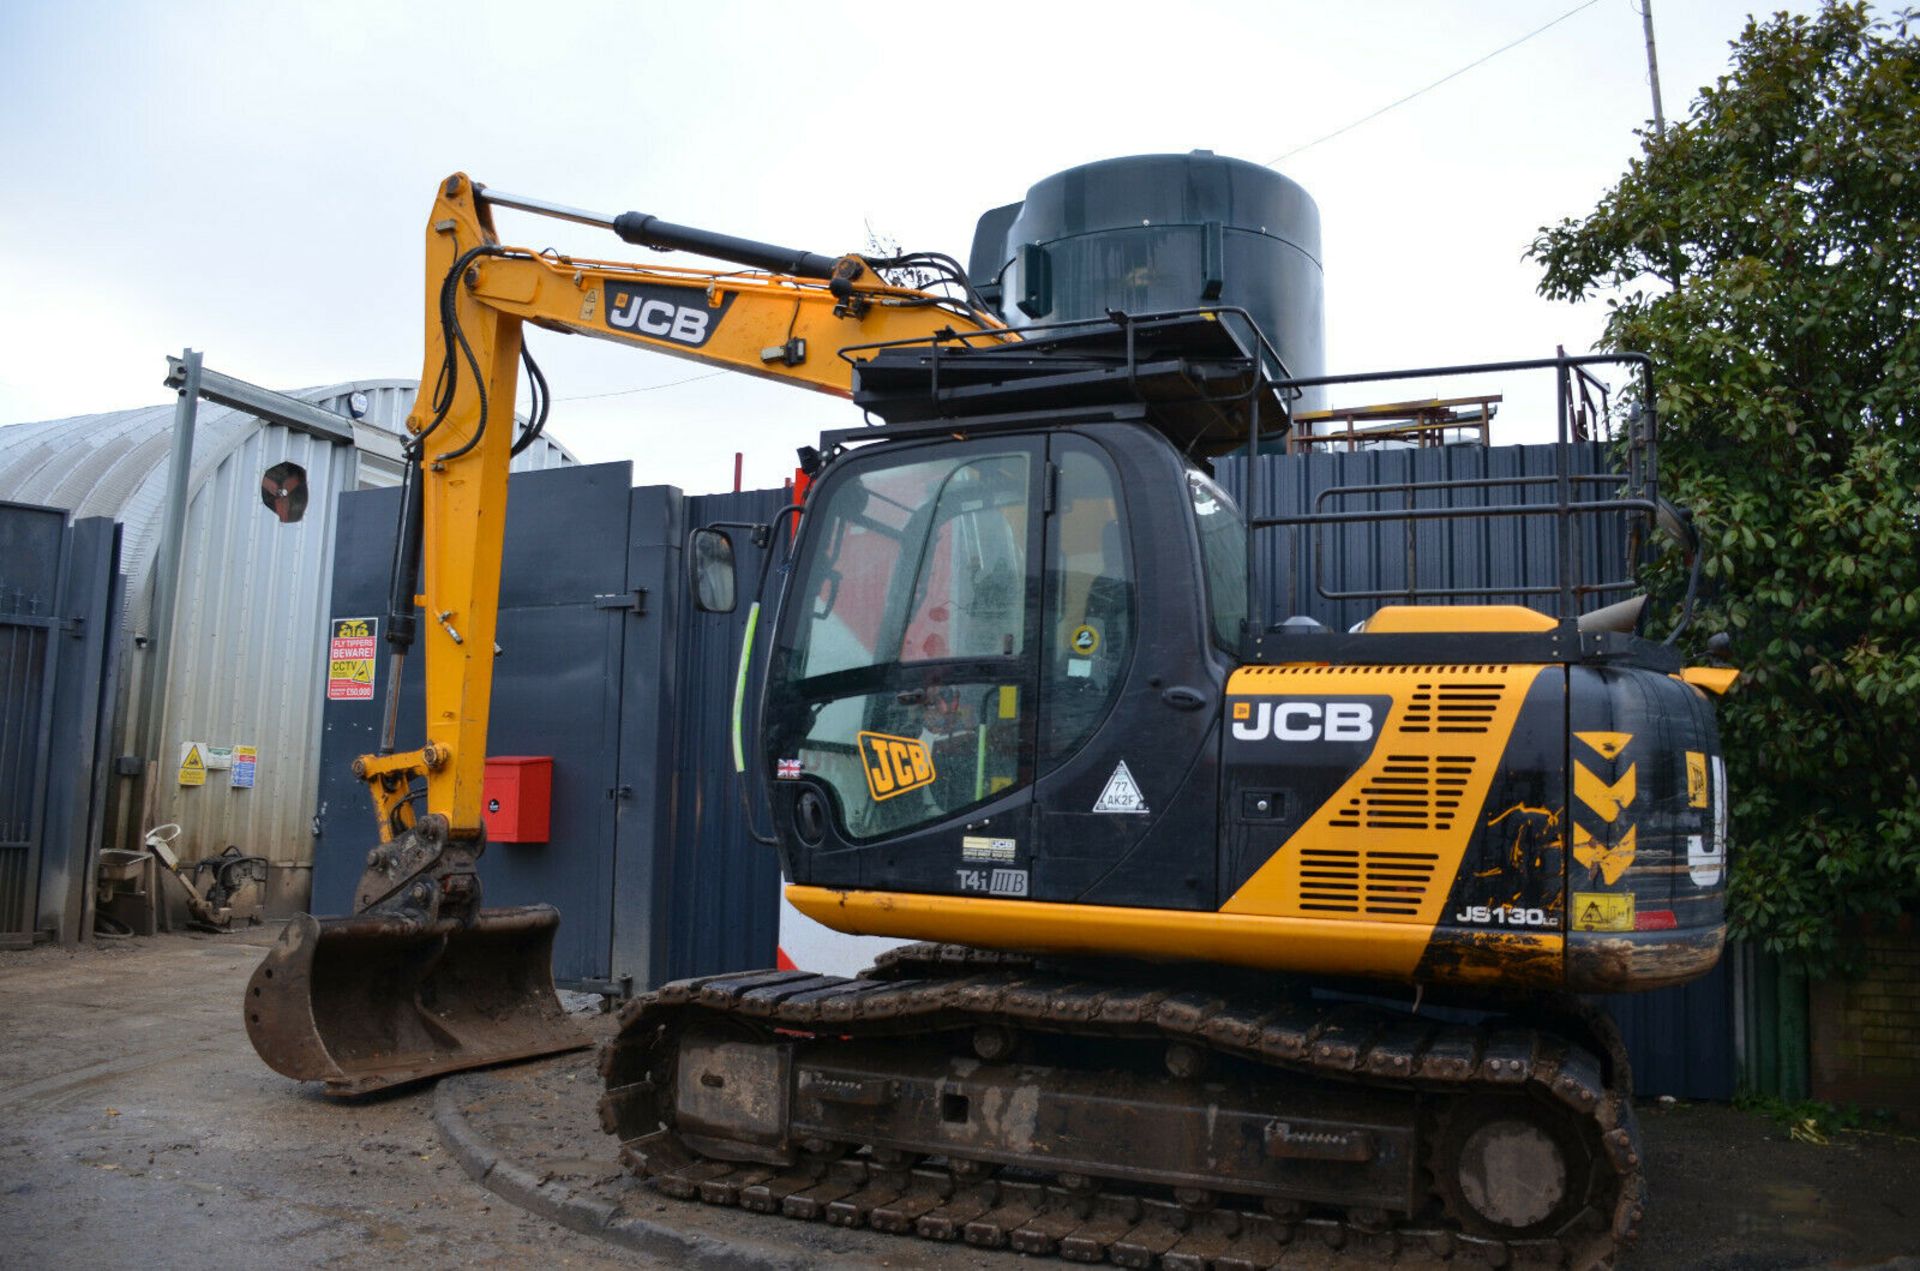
<point>350,652</point>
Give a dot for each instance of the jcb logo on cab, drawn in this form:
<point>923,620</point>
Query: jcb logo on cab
<point>894,765</point>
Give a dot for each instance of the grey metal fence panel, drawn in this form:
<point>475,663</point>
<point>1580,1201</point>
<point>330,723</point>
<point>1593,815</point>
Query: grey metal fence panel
<point>107,698</point>
<point>1681,1040</point>
<point>724,911</point>
<point>647,695</point>
<point>25,678</point>
<point>80,736</point>
<point>555,693</point>
<point>56,592</point>
<point>1296,564</point>
<point>33,548</point>
<point>649,861</point>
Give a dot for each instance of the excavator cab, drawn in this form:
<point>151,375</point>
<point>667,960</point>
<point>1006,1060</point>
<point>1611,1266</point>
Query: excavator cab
<point>1017,635</point>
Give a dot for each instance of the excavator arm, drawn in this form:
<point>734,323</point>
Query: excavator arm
<point>421,980</point>
<point>783,326</point>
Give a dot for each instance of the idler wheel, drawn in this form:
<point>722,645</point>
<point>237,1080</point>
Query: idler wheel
<point>1511,1167</point>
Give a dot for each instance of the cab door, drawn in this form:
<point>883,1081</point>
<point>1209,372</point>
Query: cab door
<point>1131,676</point>
<point>901,705</point>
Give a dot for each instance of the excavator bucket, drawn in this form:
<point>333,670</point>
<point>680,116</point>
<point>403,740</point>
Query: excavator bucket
<point>370,1001</point>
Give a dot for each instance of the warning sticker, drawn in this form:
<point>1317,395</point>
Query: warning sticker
<point>245,760</point>
<point>1122,793</point>
<point>350,652</point>
<point>193,764</point>
<point>1602,911</point>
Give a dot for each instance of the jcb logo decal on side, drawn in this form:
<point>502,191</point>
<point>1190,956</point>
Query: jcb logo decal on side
<point>1696,779</point>
<point>894,765</point>
<point>1302,721</point>
<point>679,314</point>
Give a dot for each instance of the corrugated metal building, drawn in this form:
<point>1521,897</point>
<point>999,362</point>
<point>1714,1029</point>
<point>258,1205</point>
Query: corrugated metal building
<point>247,665</point>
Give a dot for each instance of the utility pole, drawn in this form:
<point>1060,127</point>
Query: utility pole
<point>1653,69</point>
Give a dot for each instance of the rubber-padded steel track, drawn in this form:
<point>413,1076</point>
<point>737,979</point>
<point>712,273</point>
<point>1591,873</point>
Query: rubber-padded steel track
<point>927,989</point>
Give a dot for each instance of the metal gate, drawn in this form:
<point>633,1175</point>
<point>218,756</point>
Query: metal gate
<point>26,711</point>
<point>56,598</point>
<point>604,668</point>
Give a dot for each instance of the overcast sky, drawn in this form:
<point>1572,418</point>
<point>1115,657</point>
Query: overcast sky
<point>253,179</point>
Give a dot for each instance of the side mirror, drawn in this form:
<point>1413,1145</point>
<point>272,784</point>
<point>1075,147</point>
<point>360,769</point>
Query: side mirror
<point>710,570</point>
<point>1677,523</point>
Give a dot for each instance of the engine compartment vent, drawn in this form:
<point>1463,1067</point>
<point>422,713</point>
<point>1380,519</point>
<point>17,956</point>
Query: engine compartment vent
<point>1385,883</point>
<point>1450,707</point>
<point>1411,792</point>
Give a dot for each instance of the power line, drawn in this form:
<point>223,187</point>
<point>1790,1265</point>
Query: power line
<point>1436,83</point>
<point>645,388</point>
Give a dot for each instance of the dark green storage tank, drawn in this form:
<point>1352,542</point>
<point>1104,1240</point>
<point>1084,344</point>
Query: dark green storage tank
<point>1150,233</point>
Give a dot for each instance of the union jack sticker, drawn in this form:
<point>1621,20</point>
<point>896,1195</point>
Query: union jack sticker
<point>787,769</point>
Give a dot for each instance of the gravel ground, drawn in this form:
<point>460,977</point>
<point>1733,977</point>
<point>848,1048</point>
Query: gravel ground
<point>136,1124</point>
<point>137,1127</point>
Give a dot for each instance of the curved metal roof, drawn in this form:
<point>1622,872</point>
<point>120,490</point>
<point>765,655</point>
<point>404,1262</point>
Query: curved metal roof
<point>115,464</point>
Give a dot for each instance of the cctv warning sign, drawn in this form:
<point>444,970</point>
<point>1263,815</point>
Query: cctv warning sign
<point>350,653</point>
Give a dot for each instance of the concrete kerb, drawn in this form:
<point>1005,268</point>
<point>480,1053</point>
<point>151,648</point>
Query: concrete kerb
<point>556,1202</point>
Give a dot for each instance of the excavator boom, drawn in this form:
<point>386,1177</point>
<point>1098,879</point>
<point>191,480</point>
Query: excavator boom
<point>420,979</point>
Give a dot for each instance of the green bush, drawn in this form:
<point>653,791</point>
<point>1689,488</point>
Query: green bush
<point>1766,252</point>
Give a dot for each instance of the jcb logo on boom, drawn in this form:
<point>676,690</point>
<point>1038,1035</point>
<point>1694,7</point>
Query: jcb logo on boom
<point>661,312</point>
<point>1302,721</point>
<point>894,765</point>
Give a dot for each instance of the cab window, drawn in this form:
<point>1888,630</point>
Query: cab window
<point>905,683</point>
<point>1090,602</point>
<point>1223,554</point>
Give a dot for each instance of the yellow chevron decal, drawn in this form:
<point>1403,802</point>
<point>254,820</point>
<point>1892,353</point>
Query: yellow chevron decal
<point>1609,801</point>
<point>1610,861</point>
<point>1608,744</point>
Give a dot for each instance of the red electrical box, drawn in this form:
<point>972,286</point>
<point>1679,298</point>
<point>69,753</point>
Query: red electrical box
<point>516,798</point>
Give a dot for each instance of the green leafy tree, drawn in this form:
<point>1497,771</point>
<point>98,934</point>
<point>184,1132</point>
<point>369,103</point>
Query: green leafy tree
<point>1766,252</point>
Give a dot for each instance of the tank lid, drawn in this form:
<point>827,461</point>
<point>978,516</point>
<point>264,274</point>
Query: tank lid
<point>1166,189</point>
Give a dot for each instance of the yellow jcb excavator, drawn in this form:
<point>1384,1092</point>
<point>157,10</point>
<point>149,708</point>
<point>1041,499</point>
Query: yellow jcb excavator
<point>1233,930</point>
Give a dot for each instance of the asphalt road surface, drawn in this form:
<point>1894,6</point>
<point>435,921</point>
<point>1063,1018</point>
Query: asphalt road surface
<point>137,1126</point>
